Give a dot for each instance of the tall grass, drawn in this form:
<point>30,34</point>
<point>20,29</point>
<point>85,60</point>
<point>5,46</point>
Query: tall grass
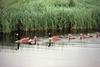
<point>50,15</point>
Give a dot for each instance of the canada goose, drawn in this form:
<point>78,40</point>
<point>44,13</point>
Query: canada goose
<point>70,36</point>
<point>82,36</point>
<point>97,34</point>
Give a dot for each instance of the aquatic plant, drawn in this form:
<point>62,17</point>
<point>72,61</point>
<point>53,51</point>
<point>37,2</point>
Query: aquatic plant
<point>50,15</point>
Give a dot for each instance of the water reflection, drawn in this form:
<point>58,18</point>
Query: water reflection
<point>8,39</point>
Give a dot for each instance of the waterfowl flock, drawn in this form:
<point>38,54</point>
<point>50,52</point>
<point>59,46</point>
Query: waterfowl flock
<point>56,38</point>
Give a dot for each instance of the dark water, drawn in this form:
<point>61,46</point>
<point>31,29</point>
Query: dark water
<point>8,39</point>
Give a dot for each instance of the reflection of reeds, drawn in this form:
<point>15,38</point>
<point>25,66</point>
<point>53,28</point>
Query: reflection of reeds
<point>65,15</point>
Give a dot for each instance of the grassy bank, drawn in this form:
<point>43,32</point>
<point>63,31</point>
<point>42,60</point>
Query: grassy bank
<point>66,15</point>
